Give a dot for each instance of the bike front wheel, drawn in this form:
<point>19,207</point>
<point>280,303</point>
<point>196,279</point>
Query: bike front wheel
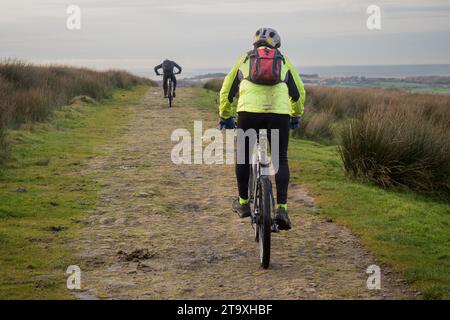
<point>265,221</point>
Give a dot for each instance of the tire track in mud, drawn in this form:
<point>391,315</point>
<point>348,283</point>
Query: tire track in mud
<point>167,232</point>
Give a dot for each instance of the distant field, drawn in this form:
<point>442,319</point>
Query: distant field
<point>424,84</point>
<point>409,87</point>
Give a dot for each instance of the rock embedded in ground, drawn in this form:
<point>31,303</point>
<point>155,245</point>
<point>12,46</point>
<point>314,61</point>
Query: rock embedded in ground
<point>56,228</point>
<point>43,162</point>
<point>193,207</point>
<point>107,220</point>
<point>122,221</point>
<point>117,283</point>
<point>83,99</point>
<point>145,195</point>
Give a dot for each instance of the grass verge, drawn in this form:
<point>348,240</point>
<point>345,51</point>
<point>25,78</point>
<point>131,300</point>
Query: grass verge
<point>44,193</point>
<point>409,232</point>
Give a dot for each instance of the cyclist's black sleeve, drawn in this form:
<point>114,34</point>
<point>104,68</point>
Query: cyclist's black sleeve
<point>178,67</point>
<point>293,89</point>
<point>159,66</point>
<point>234,87</point>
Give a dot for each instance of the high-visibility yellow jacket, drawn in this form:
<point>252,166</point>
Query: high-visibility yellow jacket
<point>287,97</point>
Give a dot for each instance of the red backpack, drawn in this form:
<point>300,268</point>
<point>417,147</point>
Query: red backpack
<point>265,66</point>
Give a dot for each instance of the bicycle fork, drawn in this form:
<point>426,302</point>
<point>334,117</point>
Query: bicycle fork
<point>256,215</point>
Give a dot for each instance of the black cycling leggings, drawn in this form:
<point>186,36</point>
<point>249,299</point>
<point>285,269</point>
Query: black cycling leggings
<point>174,81</point>
<point>251,120</point>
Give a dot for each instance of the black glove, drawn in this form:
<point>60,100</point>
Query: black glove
<point>229,123</point>
<point>294,123</point>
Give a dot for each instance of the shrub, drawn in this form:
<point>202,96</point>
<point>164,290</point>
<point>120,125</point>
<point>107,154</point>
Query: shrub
<point>399,146</point>
<point>5,113</point>
<point>391,138</point>
<point>214,84</point>
<point>317,127</point>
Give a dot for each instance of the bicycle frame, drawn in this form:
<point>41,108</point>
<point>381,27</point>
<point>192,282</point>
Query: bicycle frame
<point>260,169</point>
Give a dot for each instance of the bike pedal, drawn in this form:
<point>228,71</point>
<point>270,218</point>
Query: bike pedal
<point>274,228</point>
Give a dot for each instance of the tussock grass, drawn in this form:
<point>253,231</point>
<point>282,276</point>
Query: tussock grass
<point>341,104</point>
<point>214,84</point>
<point>398,147</point>
<point>30,93</point>
<point>390,138</point>
<point>319,125</point>
<point>6,106</point>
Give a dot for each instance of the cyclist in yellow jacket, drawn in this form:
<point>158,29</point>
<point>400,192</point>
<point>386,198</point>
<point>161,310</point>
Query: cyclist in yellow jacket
<point>271,96</point>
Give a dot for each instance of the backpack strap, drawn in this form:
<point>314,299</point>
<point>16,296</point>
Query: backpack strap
<point>281,56</point>
<point>251,53</point>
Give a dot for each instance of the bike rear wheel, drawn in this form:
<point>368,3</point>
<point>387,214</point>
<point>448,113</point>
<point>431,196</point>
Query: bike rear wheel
<point>265,221</point>
<point>169,94</point>
<point>253,193</point>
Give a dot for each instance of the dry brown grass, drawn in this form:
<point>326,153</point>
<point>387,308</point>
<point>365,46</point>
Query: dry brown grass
<point>399,146</point>
<point>6,105</point>
<point>30,93</point>
<point>390,138</point>
<point>214,84</point>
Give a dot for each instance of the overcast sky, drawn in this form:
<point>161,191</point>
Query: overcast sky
<point>136,34</point>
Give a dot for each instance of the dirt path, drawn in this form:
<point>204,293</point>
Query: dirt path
<point>167,231</point>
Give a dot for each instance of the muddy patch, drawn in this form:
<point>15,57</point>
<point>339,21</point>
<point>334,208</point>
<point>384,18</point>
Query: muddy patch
<point>136,255</point>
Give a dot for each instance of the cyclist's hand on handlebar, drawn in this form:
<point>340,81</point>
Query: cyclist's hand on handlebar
<point>229,123</point>
<point>294,123</point>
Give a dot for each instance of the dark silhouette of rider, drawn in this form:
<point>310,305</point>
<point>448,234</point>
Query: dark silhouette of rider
<point>168,67</point>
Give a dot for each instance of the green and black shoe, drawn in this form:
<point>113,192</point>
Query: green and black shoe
<point>243,210</point>
<point>282,219</point>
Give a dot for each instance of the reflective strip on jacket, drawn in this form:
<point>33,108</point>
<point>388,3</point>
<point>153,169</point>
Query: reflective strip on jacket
<point>287,97</point>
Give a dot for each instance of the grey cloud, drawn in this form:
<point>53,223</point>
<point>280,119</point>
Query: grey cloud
<point>211,33</point>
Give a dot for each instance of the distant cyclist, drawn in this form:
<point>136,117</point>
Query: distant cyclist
<point>168,67</point>
<point>271,96</point>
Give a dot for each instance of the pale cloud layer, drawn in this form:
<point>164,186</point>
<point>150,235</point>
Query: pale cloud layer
<point>211,34</point>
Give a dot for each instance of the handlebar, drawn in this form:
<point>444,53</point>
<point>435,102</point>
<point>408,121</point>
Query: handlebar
<point>161,75</point>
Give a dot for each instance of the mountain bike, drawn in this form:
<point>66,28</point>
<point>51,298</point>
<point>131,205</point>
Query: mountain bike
<point>169,91</point>
<point>262,201</point>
